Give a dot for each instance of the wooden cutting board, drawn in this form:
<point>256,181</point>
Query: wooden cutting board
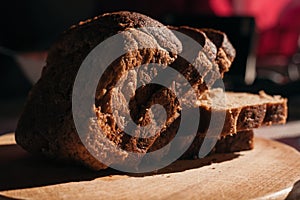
<point>268,171</point>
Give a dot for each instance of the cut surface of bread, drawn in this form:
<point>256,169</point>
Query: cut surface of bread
<point>47,126</point>
<point>243,111</point>
<point>226,113</point>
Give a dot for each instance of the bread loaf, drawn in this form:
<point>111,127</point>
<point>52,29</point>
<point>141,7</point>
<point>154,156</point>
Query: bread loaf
<point>47,126</point>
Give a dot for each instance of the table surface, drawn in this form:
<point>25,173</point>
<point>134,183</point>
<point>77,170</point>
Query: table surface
<point>268,171</point>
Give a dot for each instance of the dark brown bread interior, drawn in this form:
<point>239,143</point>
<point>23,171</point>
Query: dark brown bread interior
<point>240,141</point>
<point>239,112</point>
<point>47,127</point>
<point>243,111</point>
<point>47,116</point>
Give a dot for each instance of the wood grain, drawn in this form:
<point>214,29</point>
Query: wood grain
<point>268,171</point>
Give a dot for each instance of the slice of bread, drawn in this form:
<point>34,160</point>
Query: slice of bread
<point>213,60</point>
<point>221,52</point>
<point>47,126</point>
<point>226,53</point>
<point>236,142</point>
<point>223,114</point>
<point>244,111</point>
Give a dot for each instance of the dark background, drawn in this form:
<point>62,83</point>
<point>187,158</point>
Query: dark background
<point>267,30</point>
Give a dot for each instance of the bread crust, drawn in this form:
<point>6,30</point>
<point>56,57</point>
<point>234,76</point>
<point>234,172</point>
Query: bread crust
<point>47,127</point>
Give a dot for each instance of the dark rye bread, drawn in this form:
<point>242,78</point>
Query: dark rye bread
<point>216,47</point>
<point>239,112</point>
<point>217,55</point>
<point>226,53</point>
<point>206,55</point>
<point>244,111</point>
<point>47,116</point>
<point>207,62</point>
<point>46,125</point>
<point>240,141</point>
<point>207,67</point>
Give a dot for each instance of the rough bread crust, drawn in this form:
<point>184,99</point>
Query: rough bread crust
<point>217,55</point>
<point>206,64</point>
<point>46,125</point>
<point>215,45</point>
<point>226,53</point>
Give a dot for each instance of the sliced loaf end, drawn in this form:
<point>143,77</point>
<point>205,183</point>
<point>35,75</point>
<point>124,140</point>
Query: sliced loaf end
<point>243,111</point>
